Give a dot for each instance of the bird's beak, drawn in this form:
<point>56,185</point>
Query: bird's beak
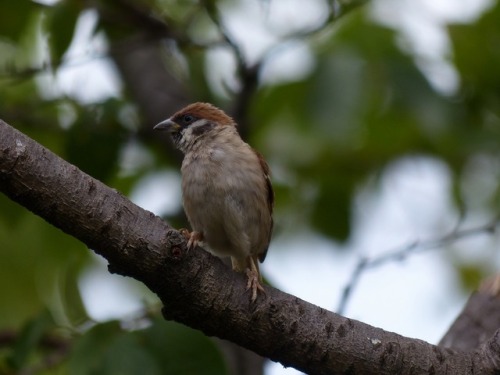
<point>167,125</point>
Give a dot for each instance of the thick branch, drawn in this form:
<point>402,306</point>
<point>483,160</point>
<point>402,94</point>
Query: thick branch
<point>479,319</point>
<point>198,290</point>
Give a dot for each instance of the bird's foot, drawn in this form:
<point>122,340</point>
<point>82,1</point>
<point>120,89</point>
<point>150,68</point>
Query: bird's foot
<point>193,238</point>
<point>254,283</point>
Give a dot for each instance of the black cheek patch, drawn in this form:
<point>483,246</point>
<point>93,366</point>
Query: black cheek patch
<point>199,130</point>
<point>176,137</point>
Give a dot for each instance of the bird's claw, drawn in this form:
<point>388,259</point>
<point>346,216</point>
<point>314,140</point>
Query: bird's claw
<point>185,233</point>
<point>193,238</point>
<point>254,284</point>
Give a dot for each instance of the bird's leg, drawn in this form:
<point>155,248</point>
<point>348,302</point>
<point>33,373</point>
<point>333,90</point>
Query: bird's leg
<point>254,284</point>
<point>251,269</point>
<point>254,279</point>
<point>192,237</point>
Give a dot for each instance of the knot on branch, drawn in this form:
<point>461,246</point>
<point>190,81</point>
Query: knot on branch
<point>176,246</point>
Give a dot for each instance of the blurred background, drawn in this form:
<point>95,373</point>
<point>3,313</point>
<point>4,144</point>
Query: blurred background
<point>380,121</point>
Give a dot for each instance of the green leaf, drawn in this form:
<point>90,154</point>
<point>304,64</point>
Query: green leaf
<point>13,12</point>
<point>163,348</point>
<point>332,209</point>
<point>95,140</point>
<point>182,350</point>
<point>10,212</point>
<point>90,350</point>
<point>29,338</point>
<point>61,26</point>
<point>35,255</point>
<point>71,298</point>
<point>126,356</point>
<point>470,275</point>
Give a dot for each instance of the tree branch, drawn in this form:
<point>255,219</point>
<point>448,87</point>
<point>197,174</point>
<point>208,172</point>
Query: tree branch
<point>198,290</point>
<point>364,263</point>
<point>478,320</point>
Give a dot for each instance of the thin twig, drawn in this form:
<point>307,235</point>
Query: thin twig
<point>249,73</point>
<point>227,37</point>
<point>364,263</point>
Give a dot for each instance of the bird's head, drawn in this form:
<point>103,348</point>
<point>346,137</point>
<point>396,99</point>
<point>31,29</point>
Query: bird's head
<point>193,123</point>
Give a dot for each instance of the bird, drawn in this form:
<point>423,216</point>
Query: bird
<point>226,189</point>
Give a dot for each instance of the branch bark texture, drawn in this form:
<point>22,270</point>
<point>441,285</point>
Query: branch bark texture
<point>479,320</point>
<point>198,290</point>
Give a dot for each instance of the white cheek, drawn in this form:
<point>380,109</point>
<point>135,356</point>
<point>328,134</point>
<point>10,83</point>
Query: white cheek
<point>188,133</point>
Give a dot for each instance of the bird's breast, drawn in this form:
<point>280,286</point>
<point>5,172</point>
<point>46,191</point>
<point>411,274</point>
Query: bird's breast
<point>224,197</point>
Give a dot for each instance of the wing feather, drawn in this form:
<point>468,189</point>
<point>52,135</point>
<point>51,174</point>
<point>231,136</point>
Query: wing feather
<point>270,201</point>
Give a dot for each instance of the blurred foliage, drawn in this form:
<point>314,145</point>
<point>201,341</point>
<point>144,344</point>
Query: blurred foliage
<point>365,104</point>
<point>107,348</point>
<point>162,348</point>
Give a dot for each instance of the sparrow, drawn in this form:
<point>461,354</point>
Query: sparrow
<point>226,189</point>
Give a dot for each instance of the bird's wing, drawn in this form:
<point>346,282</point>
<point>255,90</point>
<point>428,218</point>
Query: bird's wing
<point>270,201</point>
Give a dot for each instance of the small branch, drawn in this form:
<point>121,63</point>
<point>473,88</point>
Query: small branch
<point>247,73</point>
<point>212,12</point>
<point>401,253</point>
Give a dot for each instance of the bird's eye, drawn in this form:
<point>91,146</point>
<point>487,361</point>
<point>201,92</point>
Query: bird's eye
<point>187,119</point>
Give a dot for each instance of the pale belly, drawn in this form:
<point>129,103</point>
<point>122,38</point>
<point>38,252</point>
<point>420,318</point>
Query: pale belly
<point>224,207</point>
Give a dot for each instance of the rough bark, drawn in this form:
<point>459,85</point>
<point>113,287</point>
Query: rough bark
<point>479,320</point>
<point>198,290</point>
